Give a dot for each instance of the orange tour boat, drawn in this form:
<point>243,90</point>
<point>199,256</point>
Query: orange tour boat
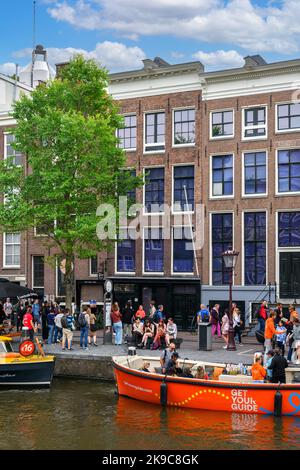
<point>236,393</point>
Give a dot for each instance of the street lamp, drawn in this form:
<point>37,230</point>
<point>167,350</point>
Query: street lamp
<point>230,258</point>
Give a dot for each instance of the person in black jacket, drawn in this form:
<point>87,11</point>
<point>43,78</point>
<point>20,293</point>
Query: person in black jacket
<point>127,320</point>
<point>278,366</point>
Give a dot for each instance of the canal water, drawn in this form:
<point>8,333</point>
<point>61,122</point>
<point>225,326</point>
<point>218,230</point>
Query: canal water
<point>77,414</point>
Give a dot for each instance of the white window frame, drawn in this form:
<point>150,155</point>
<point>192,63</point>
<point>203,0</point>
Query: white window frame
<point>287,193</point>
<point>132,149</point>
<point>182,108</point>
<point>151,273</point>
<point>244,194</point>
<point>211,196</point>
<point>243,248</point>
<point>32,272</point>
<point>244,128</point>
<point>5,134</point>
<point>90,267</point>
<point>174,212</point>
<point>10,266</point>
<point>123,273</point>
<point>221,137</point>
<point>145,169</point>
<point>283,131</point>
<point>187,273</point>
<point>145,152</point>
<point>210,245</point>
<point>282,250</point>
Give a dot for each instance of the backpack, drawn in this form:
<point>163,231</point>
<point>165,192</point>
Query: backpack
<point>82,321</point>
<point>64,322</point>
<point>156,317</point>
<point>205,318</point>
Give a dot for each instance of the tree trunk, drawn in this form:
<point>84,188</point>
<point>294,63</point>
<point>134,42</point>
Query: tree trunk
<point>69,281</point>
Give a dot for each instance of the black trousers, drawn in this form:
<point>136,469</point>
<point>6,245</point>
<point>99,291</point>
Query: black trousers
<point>278,378</point>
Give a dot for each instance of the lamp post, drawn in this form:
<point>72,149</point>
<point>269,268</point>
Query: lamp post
<point>230,258</point>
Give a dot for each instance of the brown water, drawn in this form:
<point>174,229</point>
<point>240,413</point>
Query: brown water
<point>88,415</point>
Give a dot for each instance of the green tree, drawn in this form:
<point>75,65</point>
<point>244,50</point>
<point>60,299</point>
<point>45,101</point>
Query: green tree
<point>67,131</point>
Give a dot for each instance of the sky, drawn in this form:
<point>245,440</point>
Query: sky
<point>121,33</point>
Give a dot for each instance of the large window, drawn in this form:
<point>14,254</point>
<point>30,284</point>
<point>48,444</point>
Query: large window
<point>288,171</point>
<point>255,248</point>
<point>288,116</point>
<point>222,175</point>
<point>222,240</point>
<point>183,188</point>
<point>154,189</point>
<point>14,156</point>
<point>125,253</point>
<point>153,250</point>
<point>127,135</point>
<point>255,123</point>
<point>12,249</point>
<point>155,132</point>
<point>255,174</point>
<point>289,229</point>
<point>184,126</point>
<point>183,254</point>
<point>221,124</point>
<point>38,276</point>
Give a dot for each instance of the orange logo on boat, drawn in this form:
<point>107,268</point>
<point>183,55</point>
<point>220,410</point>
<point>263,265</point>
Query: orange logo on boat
<point>26,348</point>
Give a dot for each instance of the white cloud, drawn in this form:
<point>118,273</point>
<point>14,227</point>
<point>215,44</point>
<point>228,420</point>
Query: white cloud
<point>218,60</point>
<point>240,22</point>
<point>8,68</point>
<point>114,55</point>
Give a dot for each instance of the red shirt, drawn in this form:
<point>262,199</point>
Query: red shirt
<point>116,316</point>
<point>27,320</point>
<point>263,312</point>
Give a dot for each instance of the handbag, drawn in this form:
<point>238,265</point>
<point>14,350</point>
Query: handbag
<point>93,327</point>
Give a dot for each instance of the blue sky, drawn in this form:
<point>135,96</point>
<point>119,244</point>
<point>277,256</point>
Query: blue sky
<point>120,33</point>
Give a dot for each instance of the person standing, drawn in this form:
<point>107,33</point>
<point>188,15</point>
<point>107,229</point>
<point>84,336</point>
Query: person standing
<point>270,331</point>
<point>36,313</point>
<point>127,319</point>
<point>278,366</point>
<point>58,327</point>
<point>296,337</point>
<point>45,311</point>
<point>28,323</point>
<point>68,325</point>
<point>51,325</point>
<point>262,315</point>
<point>225,328</point>
<point>293,313</point>
<point>215,320</point>
<point>166,356</point>
<point>237,323</point>
<point>8,310</point>
<point>279,313</point>
<point>116,318</point>
<point>203,314</point>
<point>84,324</point>
<point>93,328</point>
<point>280,339</point>
<point>152,310</point>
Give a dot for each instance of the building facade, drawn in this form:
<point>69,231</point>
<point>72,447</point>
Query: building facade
<point>223,144</point>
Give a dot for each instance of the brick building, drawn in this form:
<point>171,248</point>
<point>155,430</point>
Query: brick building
<point>228,140</point>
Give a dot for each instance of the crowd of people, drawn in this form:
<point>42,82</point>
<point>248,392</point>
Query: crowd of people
<point>150,330</point>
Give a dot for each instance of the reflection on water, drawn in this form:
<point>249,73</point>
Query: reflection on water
<point>88,415</point>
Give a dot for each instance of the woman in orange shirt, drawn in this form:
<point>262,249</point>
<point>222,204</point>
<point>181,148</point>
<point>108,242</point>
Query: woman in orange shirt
<point>270,331</point>
<point>140,313</point>
<point>258,371</point>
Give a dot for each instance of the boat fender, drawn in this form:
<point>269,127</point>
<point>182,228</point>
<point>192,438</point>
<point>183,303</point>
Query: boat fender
<point>163,393</point>
<point>278,403</point>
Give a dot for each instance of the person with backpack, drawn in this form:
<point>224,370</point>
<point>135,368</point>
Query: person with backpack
<point>166,356</point>
<point>84,323</point>
<point>203,315</point>
<point>159,315</point>
<point>68,326</point>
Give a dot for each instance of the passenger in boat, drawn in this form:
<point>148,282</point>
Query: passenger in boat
<point>278,366</point>
<point>258,371</point>
<point>200,373</point>
<point>225,328</point>
<point>166,356</point>
<point>146,366</point>
<point>160,333</point>
<point>149,330</point>
<point>137,332</point>
<point>172,366</point>
<point>187,373</point>
<point>171,331</point>
<point>270,355</point>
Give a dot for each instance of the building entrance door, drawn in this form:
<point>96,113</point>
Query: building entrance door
<point>289,281</point>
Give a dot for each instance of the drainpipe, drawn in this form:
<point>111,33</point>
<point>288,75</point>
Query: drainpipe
<point>16,83</point>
